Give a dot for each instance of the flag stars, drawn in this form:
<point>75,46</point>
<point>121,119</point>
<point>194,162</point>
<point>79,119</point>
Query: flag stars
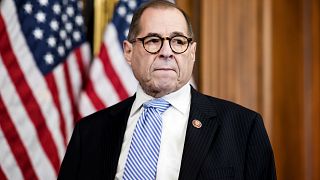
<point>79,20</point>
<point>38,33</point>
<point>70,11</point>
<point>56,9</point>
<point>61,51</point>
<point>129,18</point>
<point>28,8</point>
<point>64,18</point>
<point>41,17</point>
<point>54,25</point>
<point>56,28</point>
<point>122,11</point>
<point>63,34</point>
<point>49,58</point>
<point>69,27</point>
<point>132,4</point>
<point>76,36</point>
<point>51,41</point>
<point>68,43</point>
<point>43,2</point>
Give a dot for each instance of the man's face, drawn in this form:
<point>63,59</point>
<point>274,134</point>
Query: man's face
<point>164,72</point>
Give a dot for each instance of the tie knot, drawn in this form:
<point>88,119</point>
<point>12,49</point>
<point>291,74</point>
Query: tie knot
<point>159,104</point>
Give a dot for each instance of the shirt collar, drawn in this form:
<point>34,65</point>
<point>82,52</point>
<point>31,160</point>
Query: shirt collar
<point>179,99</point>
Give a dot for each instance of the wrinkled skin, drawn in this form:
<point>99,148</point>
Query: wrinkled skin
<point>165,72</point>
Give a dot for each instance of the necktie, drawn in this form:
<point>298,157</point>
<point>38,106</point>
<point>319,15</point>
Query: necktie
<point>145,144</point>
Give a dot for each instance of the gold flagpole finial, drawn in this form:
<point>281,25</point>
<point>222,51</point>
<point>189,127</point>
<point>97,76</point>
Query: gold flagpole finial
<point>103,10</point>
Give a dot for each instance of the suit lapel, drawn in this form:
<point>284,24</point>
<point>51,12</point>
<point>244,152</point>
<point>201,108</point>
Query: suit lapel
<point>113,136</point>
<point>198,140</point>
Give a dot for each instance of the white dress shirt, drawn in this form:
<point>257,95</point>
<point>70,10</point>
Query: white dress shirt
<point>174,128</point>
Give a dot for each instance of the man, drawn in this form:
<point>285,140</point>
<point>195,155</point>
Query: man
<point>185,135</point>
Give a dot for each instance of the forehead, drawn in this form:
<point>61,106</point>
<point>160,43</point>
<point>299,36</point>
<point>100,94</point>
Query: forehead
<point>163,21</point>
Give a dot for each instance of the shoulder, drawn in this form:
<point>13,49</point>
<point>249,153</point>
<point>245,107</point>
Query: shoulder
<point>221,106</point>
<point>107,115</point>
<point>227,112</point>
<point>225,107</point>
<point>236,123</point>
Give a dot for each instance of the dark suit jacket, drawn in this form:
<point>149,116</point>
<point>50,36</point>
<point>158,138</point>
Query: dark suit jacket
<point>231,144</point>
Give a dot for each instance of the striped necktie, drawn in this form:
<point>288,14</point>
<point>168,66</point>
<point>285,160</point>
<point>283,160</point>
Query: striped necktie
<point>145,144</point>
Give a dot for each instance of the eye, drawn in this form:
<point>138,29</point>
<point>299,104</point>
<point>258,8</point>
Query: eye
<point>152,40</point>
<point>179,41</point>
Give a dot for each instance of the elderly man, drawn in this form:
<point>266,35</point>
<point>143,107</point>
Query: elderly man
<point>167,130</point>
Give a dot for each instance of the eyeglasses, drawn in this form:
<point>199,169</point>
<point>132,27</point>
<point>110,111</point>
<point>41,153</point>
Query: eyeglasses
<point>153,43</point>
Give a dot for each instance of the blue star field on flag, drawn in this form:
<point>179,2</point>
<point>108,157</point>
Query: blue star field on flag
<point>122,16</point>
<point>52,29</point>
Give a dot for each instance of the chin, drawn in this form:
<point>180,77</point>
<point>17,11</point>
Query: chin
<point>166,86</point>
<point>160,88</point>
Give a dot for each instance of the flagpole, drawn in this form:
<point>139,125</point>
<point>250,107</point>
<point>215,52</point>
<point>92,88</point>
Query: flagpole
<point>103,10</point>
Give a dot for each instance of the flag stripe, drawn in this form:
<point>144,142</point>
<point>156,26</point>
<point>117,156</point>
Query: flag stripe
<point>96,101</point>
<point>2,175</point>
<point>51,82</point>
<point>71,95</point>
<point>77,64</point>
<point>110,77</point>
<point>26,130</point>
<point>64,99</point>
<point>111,74</point>
<point>15,143</point>
<point>102,85</point>
<point>27,97</point>
<point>74,67</point>
<point>86,56</point>
<point>80,61</point>
<point>86,107</point>
<point>33,75</point>
<point>42,46</point>
<point>9,166</point>
<point>117,60</point>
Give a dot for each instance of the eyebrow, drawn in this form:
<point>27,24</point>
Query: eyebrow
<point>175,33</point>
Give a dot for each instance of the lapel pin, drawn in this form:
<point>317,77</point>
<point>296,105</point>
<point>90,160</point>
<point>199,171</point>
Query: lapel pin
<point>196,123</point>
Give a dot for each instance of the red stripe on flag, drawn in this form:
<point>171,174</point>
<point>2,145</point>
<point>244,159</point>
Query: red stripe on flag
<point>75,112</point>
<point>83,71</point>
<point>111,74</point>
<point>96,101</point>
<point>18,149</point>
<point>2,175</point>
<point>27,97</point>
<point>51,82</point>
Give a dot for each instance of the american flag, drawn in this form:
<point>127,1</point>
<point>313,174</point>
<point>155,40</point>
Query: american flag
<point>44,87</point>
<point>111,79</point>
<point>43,62</point>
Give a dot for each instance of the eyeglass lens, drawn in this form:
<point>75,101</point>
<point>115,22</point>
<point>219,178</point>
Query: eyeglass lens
<point>153,44</point>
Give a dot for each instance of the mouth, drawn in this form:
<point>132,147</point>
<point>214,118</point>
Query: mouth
<point>164,69</point>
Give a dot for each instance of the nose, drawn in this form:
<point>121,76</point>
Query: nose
<point>166,51</point>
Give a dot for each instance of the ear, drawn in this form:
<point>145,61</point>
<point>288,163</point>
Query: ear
<point>127,50</point>
<point>193,49</point>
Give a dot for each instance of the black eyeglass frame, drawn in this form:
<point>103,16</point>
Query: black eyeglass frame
<point>189,40</point>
